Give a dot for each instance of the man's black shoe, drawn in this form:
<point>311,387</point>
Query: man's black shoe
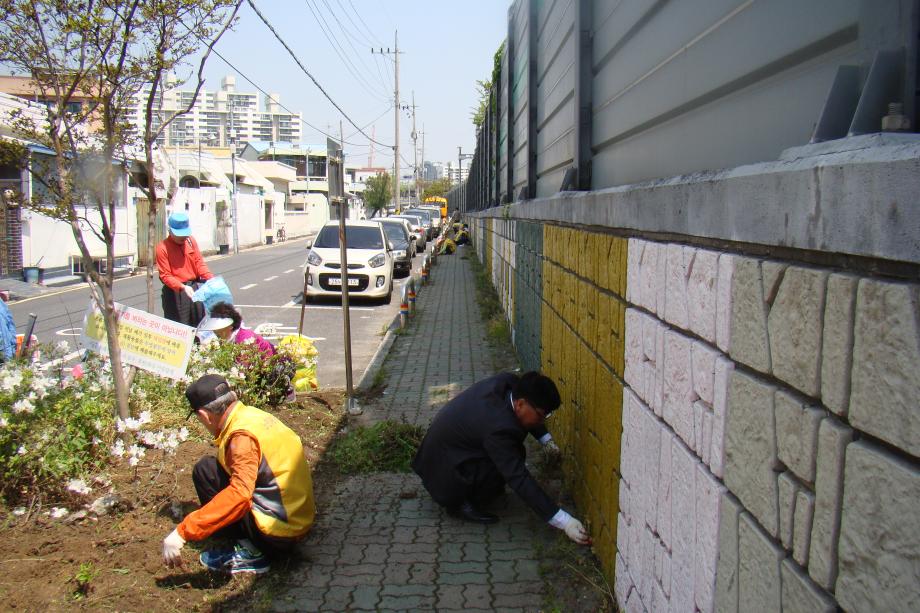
<point>468,512</point>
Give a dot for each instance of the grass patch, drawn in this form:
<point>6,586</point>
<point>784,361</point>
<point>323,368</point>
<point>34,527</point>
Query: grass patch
<point>490,308</point>
<point>572,578</point>
<point>387,446</point>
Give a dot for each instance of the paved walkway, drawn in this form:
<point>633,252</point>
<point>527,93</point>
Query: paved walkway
<point>381,544</point>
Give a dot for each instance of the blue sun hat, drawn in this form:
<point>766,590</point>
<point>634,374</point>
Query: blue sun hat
<point>178,224</point>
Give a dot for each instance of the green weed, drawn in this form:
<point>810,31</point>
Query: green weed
<point>84,579</point>
<point>387,446</point>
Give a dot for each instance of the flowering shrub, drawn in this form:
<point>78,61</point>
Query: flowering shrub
<point>57,433</point>
<point>51,428</point>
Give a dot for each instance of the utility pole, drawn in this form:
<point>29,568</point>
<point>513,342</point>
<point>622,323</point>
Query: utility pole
<point>396,115</point>
<point>236,236</point>
<point>423,145</point>
<point>418,198</point>
<point>395,53</point>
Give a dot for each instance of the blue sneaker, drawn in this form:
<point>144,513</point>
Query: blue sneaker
<point>238,560</point>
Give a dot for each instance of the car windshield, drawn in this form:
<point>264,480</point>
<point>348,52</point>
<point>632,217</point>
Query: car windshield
<point>423,214</point>
<point>396,232</point>
<point>413,221</point>
<point>356,237</point>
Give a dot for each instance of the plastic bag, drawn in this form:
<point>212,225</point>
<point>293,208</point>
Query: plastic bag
<point>213,291</point>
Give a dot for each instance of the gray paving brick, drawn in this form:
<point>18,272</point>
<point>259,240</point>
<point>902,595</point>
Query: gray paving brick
<point>374,551</point>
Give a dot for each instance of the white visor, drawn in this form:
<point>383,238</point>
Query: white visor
<point>214,323</point>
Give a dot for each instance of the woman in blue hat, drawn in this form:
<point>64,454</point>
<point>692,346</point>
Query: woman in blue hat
<point>181,270</point>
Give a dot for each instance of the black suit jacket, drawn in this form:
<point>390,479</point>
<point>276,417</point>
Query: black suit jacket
<point>480,424</point>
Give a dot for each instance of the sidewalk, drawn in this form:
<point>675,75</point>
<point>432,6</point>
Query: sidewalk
<point>381,544</point>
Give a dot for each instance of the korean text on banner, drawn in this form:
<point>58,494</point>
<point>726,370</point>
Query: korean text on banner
<point>147,341</point>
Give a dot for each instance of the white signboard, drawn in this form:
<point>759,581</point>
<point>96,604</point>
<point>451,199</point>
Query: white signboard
<point>147,341</point>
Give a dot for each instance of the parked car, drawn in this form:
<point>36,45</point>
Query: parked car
<point>397,231</point>
<point>370,262</point>
<point>417,229</point>
<point>435,214</point>
<point>427,220</point>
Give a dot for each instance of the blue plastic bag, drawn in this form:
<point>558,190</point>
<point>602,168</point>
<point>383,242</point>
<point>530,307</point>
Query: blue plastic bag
<point>213,291</point>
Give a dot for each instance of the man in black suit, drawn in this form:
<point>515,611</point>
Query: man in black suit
<point>475,445</point>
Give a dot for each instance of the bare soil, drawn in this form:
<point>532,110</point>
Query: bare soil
<point>114,562</point>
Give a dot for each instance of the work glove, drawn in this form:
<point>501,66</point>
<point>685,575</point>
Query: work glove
<point>188,291</point>
<point>172,549</point>
<point>551,448</point>
<point>573,528</point>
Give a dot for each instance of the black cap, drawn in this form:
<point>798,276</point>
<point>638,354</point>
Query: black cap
<point>204,391</point>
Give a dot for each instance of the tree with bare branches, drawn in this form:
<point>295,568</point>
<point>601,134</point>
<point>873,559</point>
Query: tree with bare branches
<point>102,54</point>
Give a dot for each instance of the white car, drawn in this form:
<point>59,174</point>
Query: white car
<point>370,262</point>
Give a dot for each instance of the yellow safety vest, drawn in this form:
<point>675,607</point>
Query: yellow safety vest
<point>282,503</point>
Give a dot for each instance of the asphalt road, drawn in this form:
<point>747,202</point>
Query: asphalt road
<point>266,284</point>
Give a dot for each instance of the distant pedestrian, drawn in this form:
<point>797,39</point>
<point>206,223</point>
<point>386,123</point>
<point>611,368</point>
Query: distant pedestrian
<point>258,490</point>
<point>475,445</point>
<point>181,269</point>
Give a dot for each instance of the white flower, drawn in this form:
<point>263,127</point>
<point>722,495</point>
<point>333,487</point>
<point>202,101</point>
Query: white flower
<point>183,433</point>
<point>58,512</point>
<point>133,461</point>
<point>62,346</point>
<point>10,380</point>
<point>96,440</point>
<point>3,422</point>
<point>19,511</point>
<point>118,449</point>
<point>102,480</point>
<point>23,406</point>
<point>78,486</point>
<point>144,417</point>
<point>22,450</point>
<point>136,451</point>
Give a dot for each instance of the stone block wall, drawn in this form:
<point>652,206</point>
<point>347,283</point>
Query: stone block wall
<point>742,432</point>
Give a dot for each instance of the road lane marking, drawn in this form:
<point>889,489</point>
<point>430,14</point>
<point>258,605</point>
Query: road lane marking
<point>248,286</point>
<point>292,305</point>
<point>287,271</point>
<point>270,278</point>
<point>70,332</point>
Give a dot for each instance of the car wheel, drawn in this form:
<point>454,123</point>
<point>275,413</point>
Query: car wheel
<point>389,297</point>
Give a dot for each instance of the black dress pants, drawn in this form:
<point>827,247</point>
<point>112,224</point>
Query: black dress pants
<point>178,307</point>
<point>210,478</point>
<point>478,481</point>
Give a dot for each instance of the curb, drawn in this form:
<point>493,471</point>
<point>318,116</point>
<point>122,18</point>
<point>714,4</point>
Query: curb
<point>379,357</point>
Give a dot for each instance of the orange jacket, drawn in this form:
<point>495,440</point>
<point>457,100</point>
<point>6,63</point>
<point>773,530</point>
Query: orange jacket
<point>180,263</point>
<point>235,500</point>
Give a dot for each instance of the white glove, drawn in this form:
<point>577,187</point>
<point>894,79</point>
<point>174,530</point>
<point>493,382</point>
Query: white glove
<point>551,448</point>
<point>188,291</point>
<point>576,532</point>
<point>573,528</point>
<point>172,549</point>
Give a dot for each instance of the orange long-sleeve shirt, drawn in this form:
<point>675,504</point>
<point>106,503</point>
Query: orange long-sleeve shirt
<point>178,263</point>
<point>235,500</point>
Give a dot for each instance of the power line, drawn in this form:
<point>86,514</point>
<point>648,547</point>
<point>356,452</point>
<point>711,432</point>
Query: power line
<point>340,51</point>
<point>278,102</point>
<point>349,37</point>
<point>312,78</point>
<point>369,31</point>
<point>387,110</point>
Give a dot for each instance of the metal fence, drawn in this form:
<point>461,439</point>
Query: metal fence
<point>599,93</point>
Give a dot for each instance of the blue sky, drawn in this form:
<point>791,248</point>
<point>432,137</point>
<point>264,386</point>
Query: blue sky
<point>446,47</point>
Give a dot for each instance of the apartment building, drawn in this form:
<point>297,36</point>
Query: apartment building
<point>219,118</point>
